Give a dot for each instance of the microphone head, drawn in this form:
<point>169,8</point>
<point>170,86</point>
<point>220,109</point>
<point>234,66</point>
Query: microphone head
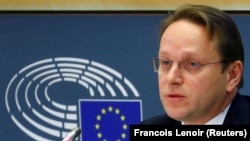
<point>72,134</point>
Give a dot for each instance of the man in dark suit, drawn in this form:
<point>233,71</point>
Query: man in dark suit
<point>238,114</point>
<point>200,69</point>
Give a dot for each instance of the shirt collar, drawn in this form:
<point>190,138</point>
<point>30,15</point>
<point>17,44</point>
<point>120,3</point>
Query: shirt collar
<point>219,119</point>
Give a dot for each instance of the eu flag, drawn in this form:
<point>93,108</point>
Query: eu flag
<point>108,120</point>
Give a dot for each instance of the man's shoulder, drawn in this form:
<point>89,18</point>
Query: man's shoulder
<point>247,97</point>
<point>160,120</point>
<point>239,111</point>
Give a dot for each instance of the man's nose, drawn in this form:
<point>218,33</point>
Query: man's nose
<point>175,75</point>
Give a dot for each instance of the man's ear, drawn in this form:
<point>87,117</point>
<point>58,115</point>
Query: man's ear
<point>235,72</point>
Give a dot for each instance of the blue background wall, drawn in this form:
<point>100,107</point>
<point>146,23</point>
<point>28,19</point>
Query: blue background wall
<point>124,42</point>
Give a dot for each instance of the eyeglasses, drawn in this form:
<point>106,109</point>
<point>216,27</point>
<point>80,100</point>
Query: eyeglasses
<point>192,67</point>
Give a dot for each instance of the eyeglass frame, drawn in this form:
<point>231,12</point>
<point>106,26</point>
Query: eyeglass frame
<point>181,64</point>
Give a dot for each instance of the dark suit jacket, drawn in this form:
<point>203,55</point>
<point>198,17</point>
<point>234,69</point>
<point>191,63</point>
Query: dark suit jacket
<point>238,113</point>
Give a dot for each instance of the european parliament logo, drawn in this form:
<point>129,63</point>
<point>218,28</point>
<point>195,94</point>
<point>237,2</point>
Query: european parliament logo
<point>108,120</point>
<point>42,100</point>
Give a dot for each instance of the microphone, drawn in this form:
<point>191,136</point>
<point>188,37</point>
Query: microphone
<point>72,134</point>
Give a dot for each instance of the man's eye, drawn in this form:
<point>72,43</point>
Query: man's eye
<point>193,64</point>
<point>166,62</point>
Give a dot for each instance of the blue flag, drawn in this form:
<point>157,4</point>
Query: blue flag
<point>108,120</point>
